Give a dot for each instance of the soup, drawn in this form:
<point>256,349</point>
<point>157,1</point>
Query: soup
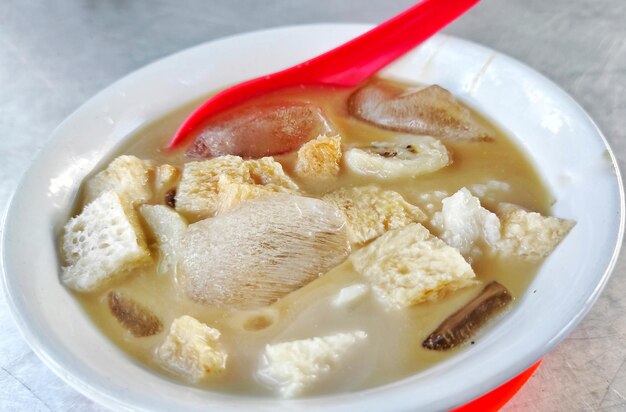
<point>346,319</point>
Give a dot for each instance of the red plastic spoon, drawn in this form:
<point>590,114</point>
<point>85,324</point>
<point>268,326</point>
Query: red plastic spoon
<point>344,66</point>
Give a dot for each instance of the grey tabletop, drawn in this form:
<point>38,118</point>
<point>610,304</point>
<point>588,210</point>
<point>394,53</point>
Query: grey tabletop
<point>55,55</point>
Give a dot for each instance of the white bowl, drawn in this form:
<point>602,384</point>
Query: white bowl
<point>569,150</point>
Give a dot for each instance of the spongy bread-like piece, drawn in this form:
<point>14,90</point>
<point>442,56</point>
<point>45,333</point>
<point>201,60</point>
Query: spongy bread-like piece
<point>128,176</point>
<point>407,266</point>
<point>198,189</point>
<point>232,194</point>
<point>319,158</point>
<point>371,211</point>
<point>267,171</point>
<point>293,367</point>
<point>103,243</point>
<point>529,234</point>
<point>165,178</point>
<point>464,224</point>
<point>167,228</point>
<point>191,349</point>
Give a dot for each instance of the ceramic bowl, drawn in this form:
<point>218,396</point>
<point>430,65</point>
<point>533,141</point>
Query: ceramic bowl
<point>563,142</point>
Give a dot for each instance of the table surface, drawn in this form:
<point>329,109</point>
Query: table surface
<point>55,55</point>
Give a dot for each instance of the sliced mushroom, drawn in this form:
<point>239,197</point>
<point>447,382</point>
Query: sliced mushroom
<point>461,325</point>
<point>134,317</point>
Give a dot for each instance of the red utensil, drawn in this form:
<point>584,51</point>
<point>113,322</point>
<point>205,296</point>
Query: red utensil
<point>344,66</point>
<point>496,399</point>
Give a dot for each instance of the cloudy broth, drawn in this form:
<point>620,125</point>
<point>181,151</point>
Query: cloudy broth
<point>393,348</point>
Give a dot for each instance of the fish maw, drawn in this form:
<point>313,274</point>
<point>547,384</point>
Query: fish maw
<point>259,131</point>
<point>262,250</point>
<point>429,110</point>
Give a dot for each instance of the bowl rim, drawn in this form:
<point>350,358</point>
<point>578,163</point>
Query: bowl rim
<point>101,395</point>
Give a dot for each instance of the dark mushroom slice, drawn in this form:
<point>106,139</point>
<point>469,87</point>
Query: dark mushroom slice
<point>426,110</point>
<point>460,326</point>
<point>134,317</point>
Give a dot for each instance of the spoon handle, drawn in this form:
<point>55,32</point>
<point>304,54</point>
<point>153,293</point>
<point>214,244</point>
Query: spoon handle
<point>355,61</point>
<point>344,66</point>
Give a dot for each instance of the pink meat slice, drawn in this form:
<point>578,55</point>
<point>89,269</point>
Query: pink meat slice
<point>425,110</point>
<point>258,131</point>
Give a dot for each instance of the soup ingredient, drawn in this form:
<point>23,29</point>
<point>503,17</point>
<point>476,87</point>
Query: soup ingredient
<point>191,349</point>
<point>319,158</point>
<point>408,265</point>
<point>425,110</point>
<point>406,156</point>
<point>261,251</point>
<point>293,367</point>
<point>259,131</point>
<point>371,211</point>
<point>231,194</point>
<point>267,171</point>
<point>198,191</point>
<point>464,224</point>
<point>137,319</point>
<point>166,179</point>
<point>529,234</point>
<point>167,228</point>
<point>128,176</point>
<point>350,295</point>
<point>461,325</point>
<point>103,243</point>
